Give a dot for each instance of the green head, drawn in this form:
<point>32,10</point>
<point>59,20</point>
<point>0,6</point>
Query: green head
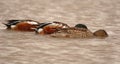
<point>81,26</point>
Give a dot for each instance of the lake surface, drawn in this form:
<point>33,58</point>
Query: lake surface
<point>28,48</point>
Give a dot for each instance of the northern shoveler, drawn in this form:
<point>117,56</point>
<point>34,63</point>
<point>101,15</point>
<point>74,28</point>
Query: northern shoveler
<point>79,31</point>
<point>22,25</point>
<point>49,28</point>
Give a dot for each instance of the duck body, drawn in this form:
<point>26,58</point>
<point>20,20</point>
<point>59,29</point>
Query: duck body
<point>79,31</point>
<point>73,32</point>
<point>49,28</point>
<point>22,25</point>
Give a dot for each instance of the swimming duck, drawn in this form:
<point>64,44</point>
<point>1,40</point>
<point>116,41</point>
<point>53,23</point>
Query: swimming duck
<point>22,25</point>
<point>79,31</point>
<point>49,28</point>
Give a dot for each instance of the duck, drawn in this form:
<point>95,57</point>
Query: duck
<point>79,31</point>
<point>49,28</point>
<point>21,25</point>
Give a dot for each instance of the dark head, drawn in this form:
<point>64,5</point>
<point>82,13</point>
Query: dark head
<point>81,26</point>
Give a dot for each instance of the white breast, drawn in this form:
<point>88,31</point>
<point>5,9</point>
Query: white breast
<point>40,30</point>
<point>13,26</point>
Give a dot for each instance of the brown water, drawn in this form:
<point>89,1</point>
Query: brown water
<point>29,48</point>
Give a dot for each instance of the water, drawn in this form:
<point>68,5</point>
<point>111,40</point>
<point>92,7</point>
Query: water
<point>28,48</point>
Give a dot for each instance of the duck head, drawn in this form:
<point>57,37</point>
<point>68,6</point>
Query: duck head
<point>81,26</point>
<point>100,33</point>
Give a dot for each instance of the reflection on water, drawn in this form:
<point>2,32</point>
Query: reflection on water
<point>28,48</point>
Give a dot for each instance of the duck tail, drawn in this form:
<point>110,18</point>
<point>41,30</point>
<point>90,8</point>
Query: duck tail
<point>7,25</point>
<point>100,33</point>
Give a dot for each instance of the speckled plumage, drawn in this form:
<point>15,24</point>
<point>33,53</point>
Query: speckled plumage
<point>74,32</point>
